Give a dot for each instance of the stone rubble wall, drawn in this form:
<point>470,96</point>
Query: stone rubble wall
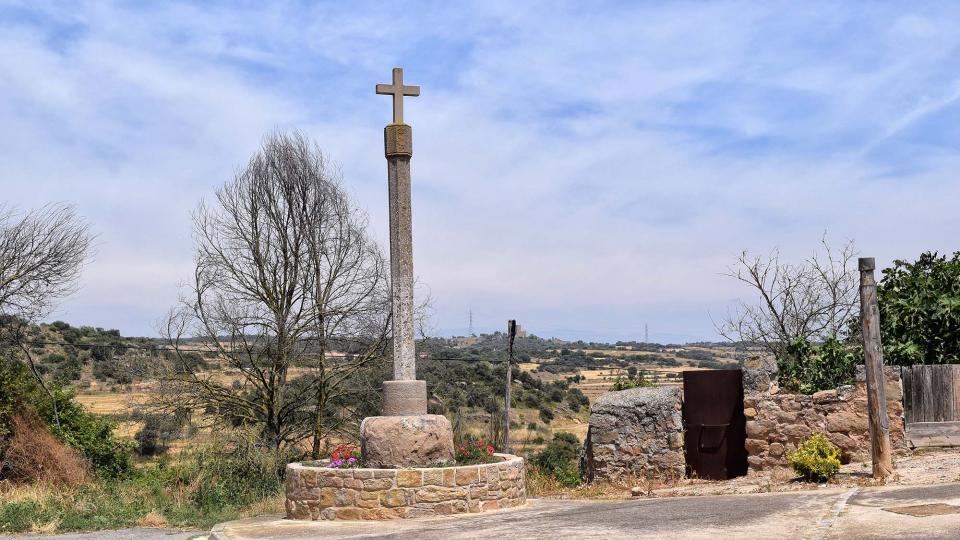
<point>636,433</point>
<point>376,494</point>
<point>777,422</point>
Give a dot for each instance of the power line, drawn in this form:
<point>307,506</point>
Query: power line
<point>174,349</point>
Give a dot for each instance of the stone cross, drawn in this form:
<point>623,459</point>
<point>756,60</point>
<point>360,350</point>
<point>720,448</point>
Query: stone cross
<point>405,435</point>
<point>398,90</point>
<point>408,396</point>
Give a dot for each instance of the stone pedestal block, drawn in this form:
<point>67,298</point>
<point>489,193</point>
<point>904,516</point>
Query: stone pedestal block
<point>390,442</point>
<point>398,140</point>
<point>404,398</point>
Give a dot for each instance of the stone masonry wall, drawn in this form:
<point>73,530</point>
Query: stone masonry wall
<point>777,422</point>
<point>324,493</point>
<point>635,433</point>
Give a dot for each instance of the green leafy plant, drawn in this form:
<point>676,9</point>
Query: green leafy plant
<point>234,469</point>
<point>157,433</point>
<point>559,459</point>
<point>17,388</point>
<point>632,382</point>
<point>807,368</point>
<point>91,435</point>
<point>87,433</point>
<point>816,458</point>
<point>920,310</point>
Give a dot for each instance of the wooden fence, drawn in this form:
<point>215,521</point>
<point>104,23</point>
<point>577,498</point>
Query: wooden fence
<point>931,405</point>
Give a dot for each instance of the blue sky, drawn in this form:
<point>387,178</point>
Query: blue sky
<point>584,169</point>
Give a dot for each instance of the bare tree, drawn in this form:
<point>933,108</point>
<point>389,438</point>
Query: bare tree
<point>291,292</point>
<point>812,301</point>
<point>42,253</point>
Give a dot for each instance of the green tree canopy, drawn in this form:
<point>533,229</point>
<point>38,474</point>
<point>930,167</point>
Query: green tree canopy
<point>920,310</point>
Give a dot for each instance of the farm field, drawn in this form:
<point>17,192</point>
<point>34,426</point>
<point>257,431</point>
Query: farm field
<point>111,403</point>
<point>592,369</point>
<point>612,364</point>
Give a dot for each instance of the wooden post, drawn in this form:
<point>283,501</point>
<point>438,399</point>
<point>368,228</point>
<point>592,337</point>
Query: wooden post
<point>876,380</point>
<point>511,334</point>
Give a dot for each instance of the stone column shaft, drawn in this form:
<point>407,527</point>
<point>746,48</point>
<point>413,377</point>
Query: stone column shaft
<point>398,148</point>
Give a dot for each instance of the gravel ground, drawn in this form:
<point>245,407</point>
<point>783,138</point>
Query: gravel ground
<point>919,467</point>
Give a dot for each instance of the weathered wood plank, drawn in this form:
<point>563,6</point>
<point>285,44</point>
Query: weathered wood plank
<point>945,394</point>
<point>956,392</point>
<point>926,395</point>
<point>931,393</point>
<point>924,434</point>
<point>907,378</point>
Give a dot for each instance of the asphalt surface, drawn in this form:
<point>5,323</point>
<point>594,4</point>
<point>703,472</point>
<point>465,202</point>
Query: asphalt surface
<point>868,515</point>
<point>820,515</point>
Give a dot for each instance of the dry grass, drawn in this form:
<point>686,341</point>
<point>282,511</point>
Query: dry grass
<point>45,528</point>
<point>33,455</point>
<point>272,505</point>
<point>154,520</point>
<point>110,402</point>
<point>16,493</point>
<point>542,486</point>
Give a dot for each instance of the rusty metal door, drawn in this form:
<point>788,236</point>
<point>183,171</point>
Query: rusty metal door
<point>714,423</point>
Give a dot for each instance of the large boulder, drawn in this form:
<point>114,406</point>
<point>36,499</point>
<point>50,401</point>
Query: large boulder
<point>389,442</point>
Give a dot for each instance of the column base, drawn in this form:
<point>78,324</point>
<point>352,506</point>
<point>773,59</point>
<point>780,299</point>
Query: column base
<point>404,398</point>
<point>393,442</point>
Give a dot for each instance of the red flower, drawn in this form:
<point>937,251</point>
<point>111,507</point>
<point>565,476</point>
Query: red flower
<point>342,451</point>
<point>489,449</point>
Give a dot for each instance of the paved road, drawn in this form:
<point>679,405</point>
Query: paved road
<point>824,514</point>
<point>865,516</point>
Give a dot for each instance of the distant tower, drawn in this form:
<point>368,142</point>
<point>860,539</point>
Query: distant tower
<point>646,333</point>
<point>471,323</point>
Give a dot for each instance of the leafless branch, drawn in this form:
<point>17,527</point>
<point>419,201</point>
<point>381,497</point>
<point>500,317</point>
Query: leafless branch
<point>287,281</point>
<point>812,301</point>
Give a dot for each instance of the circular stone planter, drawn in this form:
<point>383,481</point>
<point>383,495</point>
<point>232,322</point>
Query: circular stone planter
<point>318,492</point>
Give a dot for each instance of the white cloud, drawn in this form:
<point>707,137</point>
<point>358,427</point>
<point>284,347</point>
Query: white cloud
<point>582,170</point>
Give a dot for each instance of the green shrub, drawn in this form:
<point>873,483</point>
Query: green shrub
<point>546,415</point>
<point>156,434</point>
<point>808,368</point>
<point>625,384</point>
<point>91,435</point>
<point>816,458</point>
<point>233,471</point>
<point>577,399</point>
<point>17,387</point>
<point>194,490</point>
<point>560,459</point>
